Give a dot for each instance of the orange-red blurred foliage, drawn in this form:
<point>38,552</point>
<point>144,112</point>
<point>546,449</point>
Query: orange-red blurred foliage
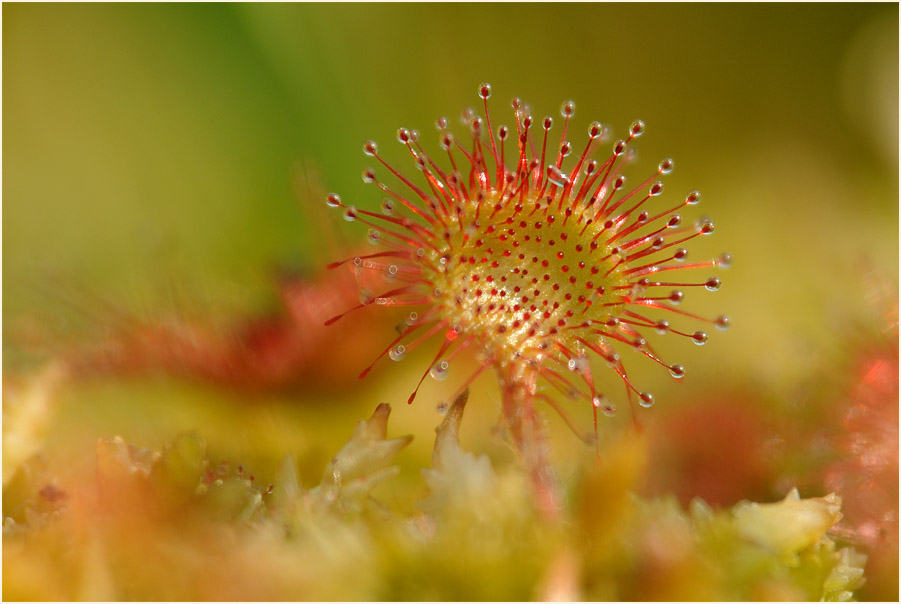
<point>715,449</point>
<point>291,347</point>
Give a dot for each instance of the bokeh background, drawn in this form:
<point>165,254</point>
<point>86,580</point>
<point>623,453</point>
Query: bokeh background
<point>170,160</point>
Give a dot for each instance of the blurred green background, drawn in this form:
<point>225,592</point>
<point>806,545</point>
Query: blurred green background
<point>162,157</point>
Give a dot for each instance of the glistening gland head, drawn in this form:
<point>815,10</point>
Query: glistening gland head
<point>536,265</point>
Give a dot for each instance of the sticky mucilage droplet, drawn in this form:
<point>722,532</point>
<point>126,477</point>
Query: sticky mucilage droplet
<point>439,370</point>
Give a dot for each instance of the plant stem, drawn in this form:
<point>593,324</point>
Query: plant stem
<point>518,383</point>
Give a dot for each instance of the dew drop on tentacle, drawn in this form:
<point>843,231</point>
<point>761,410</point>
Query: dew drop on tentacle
<point>485,90</point>
<point>722,322</point>
<point>374,237</point>
<point>556,176</point>
<point>366,297</point>
<point>712,284</point>
<point>388,208</point>
<point>439,370</point>
<point>637,128</point>
<point>333,200</point>
<point>706,227</point>
<point>579,364</point>
<point>568,109</point>
<point>646,399</point>
<point>665,166</point>
<point>677,371</point>
<point>368,176</point>
<point>397,353</point>
<point>350,213</point>
<point>724,260</point>
<point>607,408</point>
<point>699,338</point>
<point>370,148</point>
<point>475,125</point>
<point>693,198</point>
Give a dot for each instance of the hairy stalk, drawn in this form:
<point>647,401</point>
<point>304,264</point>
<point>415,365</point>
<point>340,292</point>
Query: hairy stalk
<point>518,385</point>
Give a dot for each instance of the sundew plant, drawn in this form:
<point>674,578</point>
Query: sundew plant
<point>518,360</point>
<point>536,267</point>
